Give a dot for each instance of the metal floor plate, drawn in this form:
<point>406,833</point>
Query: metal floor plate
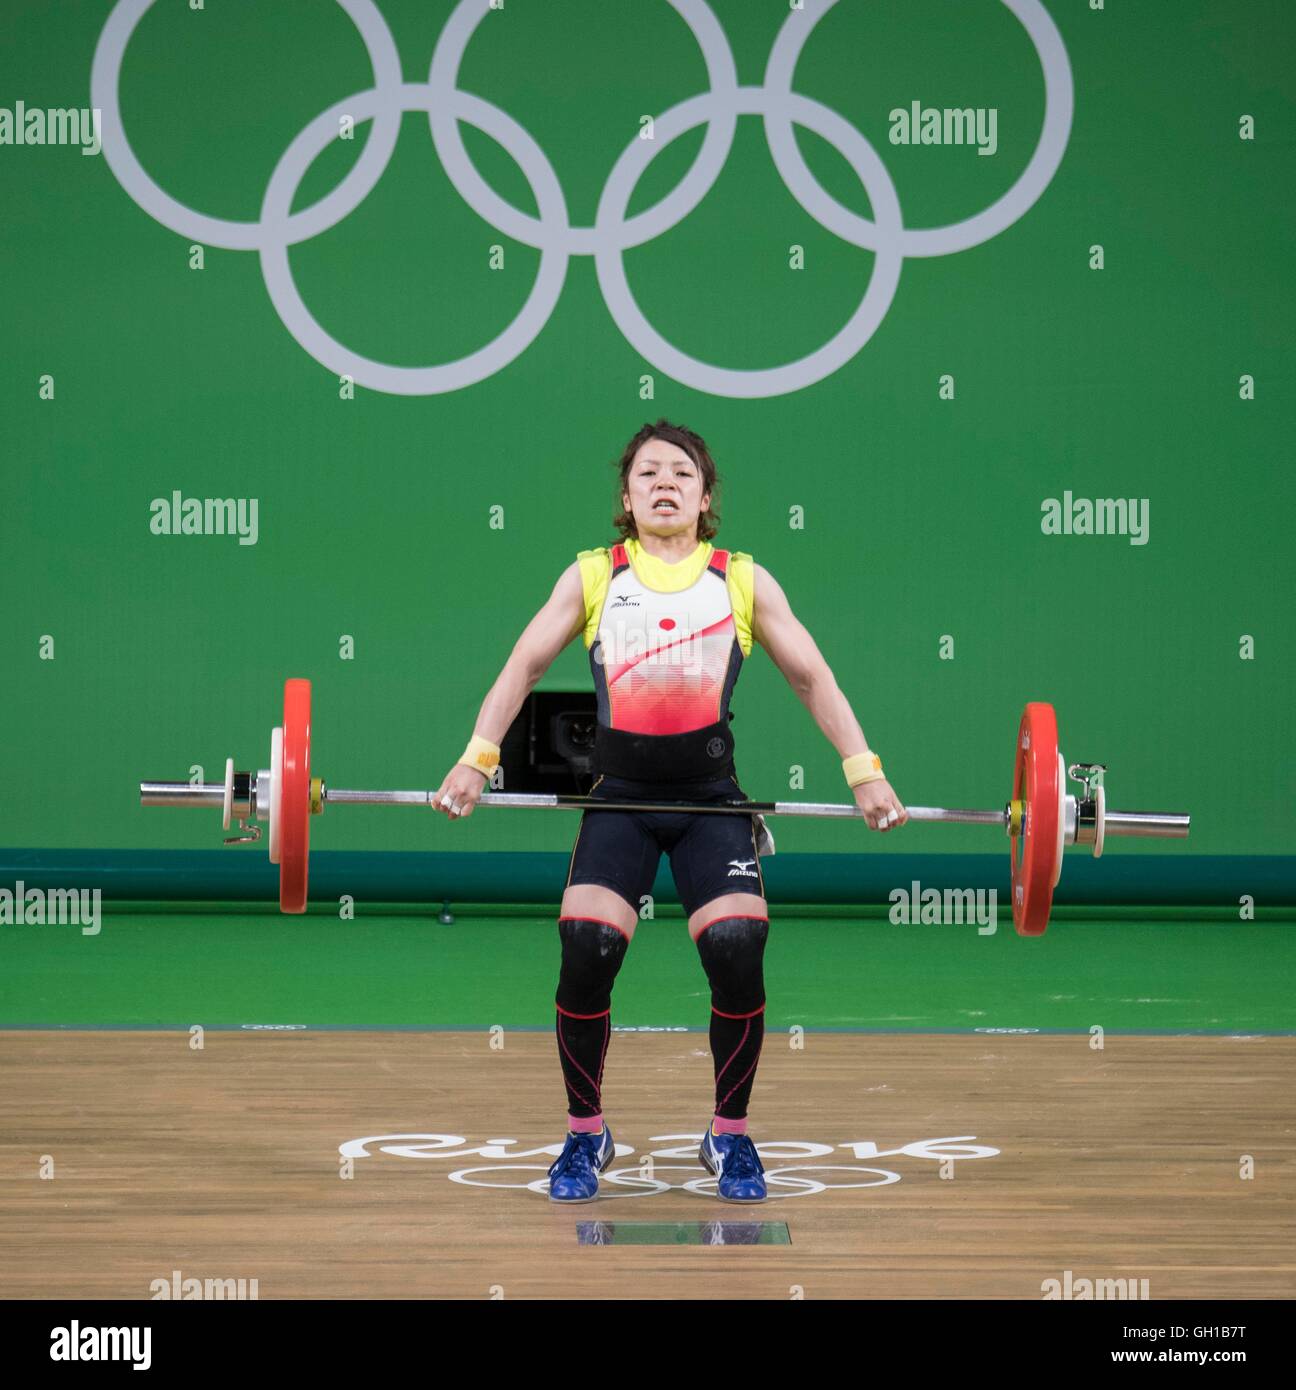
<point>682,1233</point>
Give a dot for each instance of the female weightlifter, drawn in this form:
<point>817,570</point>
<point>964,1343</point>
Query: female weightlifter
<point>668,620</point>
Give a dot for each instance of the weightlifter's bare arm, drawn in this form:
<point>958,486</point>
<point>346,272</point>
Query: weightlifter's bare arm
<point>561,618</point>
<point>794,652</point>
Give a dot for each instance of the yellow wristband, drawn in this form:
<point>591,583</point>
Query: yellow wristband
<point>862,767</point>
<point>481,754</point>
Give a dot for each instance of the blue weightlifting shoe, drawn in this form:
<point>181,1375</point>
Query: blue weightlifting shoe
<point>734,1160</point>
<point>573,1175</point>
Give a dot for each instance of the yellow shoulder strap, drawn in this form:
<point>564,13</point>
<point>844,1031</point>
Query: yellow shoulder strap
<point>741,578</point>
<point>596,572</point>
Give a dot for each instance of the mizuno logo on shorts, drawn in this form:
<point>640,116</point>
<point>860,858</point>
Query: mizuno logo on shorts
<point>742,868</point>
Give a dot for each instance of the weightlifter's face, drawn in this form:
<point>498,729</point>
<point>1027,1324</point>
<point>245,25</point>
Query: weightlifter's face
<point>664,491</point>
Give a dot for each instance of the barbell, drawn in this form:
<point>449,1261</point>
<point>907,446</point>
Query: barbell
<point>1040,819</point>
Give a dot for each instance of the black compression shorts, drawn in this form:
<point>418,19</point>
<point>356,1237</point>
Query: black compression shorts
<point>709,855</point>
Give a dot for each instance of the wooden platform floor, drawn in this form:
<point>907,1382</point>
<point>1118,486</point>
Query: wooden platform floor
<point>226,1163</point>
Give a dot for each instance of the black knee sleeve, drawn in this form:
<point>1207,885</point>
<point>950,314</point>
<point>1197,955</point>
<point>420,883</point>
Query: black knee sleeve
<point>592,953</point>
<point>733,952</point>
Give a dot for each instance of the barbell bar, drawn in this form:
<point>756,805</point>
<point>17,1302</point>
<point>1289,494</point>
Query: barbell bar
<point>1040,819</point>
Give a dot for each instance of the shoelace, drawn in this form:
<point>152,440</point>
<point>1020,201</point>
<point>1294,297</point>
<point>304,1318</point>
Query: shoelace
<point>743,1160</point>
<point>576,1156</point>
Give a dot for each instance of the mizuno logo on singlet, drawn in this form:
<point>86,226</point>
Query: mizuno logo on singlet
<point>742,868</point>
<point>624,601</point>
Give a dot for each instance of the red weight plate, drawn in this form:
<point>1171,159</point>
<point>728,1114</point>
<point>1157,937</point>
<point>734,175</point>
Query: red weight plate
<point>1034,851</point>
<point>294,800</point>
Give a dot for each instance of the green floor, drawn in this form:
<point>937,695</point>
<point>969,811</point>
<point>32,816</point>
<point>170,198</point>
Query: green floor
<point>169,966</point>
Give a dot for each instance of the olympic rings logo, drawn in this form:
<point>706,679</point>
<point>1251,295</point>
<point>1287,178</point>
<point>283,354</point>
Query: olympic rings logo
<point>644,1180</point>
<point>613,233</point>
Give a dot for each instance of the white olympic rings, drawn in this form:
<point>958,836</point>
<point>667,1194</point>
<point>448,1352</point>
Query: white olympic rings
<point>613,233</point>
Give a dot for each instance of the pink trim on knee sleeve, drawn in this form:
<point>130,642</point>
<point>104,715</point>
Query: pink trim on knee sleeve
<point>602,921</point>
<point>567,1013</point>
<point>722,1013</point>
<point>734,917</point>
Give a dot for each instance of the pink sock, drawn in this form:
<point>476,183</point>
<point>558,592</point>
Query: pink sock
<point>585,1124</point>
<point>722,1126</point>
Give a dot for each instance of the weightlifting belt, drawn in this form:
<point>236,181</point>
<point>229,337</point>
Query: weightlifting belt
<point>697,755</point>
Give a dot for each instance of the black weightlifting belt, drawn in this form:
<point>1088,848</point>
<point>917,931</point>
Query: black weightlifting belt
<point>698,754</point>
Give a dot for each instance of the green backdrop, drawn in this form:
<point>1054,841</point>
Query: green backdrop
<point>921,513</point>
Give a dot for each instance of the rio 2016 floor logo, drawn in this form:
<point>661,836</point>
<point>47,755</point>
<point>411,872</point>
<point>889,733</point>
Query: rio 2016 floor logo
<point>645,1179</point>
<point>613,233</point>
